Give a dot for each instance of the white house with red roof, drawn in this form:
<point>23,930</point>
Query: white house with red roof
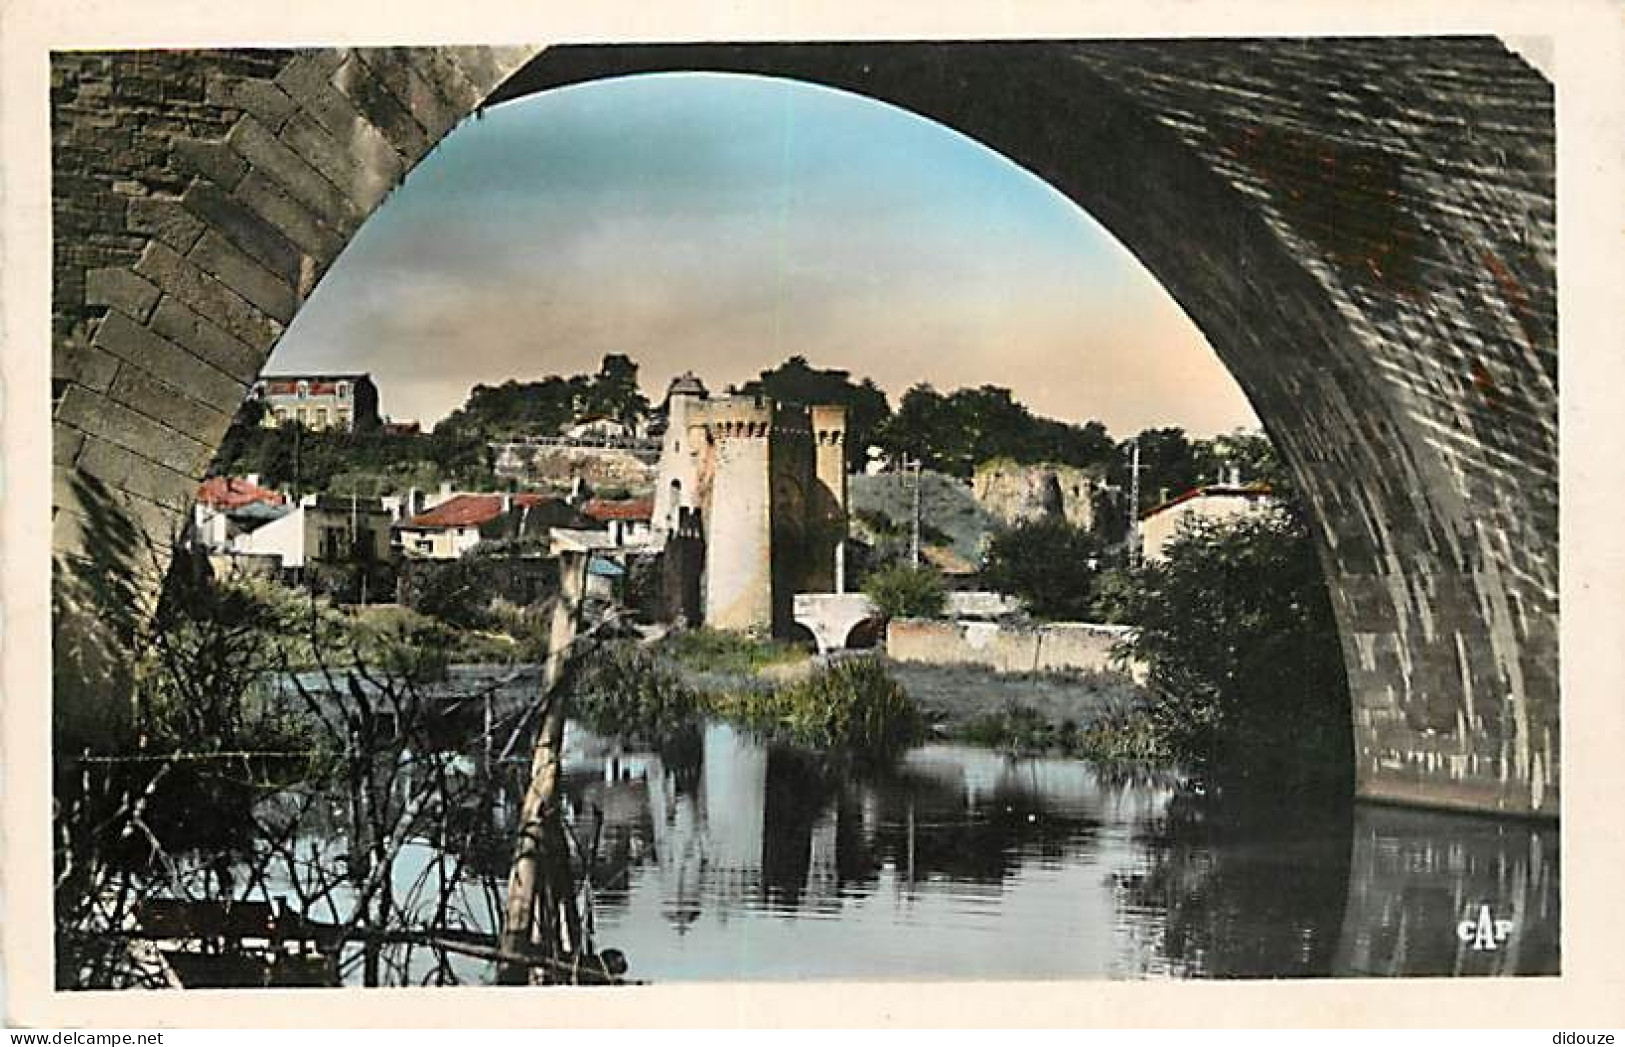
<point>1160,525</point>
<point>228,506</point>
<point>461,521</point>
<point>627,520</point>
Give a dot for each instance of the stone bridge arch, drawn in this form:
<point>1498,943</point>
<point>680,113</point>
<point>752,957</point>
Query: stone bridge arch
<point>1364,230</point>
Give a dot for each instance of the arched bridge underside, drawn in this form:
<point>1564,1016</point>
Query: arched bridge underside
<point>1362,228</point>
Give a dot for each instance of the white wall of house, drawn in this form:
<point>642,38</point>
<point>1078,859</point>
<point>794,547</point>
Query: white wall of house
<point>438,543</point>
<point>285,537</point>
<point>1159,529</point>
<point>312,533</point>
<point>211,528</point>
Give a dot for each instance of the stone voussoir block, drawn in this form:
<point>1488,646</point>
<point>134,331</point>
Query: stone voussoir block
<point>394,69</point>
<point>263,98</point>
<point>367,91</point>
<point>178,323</point>
<point>290,217</point>
<point>100,417</point>
<point>65,444</point>
<point>270,156</point>
<point>164,220</point>
<point>332,109</point>
<point>254,235</point>
<point>209,296</point>
<point>364,168</point>
<point>158,352</point>
<point>213,160</point>
<point>251,281</point>
<point>175,408</point>
<point>86,365</point>
<point>118,286</point>
<point>442,70</point>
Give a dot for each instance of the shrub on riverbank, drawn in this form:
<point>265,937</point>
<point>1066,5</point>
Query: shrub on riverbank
<point>628,690</point>
<point>901,591</point>
<point>1237,628</point>
<point>642,693</point>
<point>853,704</point>
<point>1117,731</point>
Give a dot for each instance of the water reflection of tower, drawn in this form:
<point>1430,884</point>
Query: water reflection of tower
<point>733,786</point>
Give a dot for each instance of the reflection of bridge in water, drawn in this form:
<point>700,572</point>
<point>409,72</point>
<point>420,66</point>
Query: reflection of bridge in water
<point>965,862</point>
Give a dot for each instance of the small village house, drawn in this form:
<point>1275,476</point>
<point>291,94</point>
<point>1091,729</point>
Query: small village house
<point>343,402</point>
<point>1159,526</point>
<point>230,506</point>
<point>456,524</point>
<point>627,520</point>
<point>322,530</point>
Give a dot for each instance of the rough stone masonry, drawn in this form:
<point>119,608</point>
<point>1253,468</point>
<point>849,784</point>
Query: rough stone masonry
<point>1363,229</point>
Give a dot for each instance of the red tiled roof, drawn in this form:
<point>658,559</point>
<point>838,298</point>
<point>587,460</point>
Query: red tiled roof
<point>1247,491</point>
<point>470,510</point>
<point>603,510</point>
<point>232,492</point>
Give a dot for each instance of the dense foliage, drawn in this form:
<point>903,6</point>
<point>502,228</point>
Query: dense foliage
<point>901,591</point>
<point>1172,463</point>
<point>954,433</point>
<point>1237,629</point>
<point>1053,565</point>
<point>719,651</point>
<point>853,705</point>
<point>543,407</point>
<point>366,464</point>
<point>797,382</point>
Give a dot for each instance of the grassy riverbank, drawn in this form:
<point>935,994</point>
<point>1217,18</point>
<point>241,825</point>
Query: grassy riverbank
<point>661,693</point>
<point>780,690</point>
<point>1089,713</point>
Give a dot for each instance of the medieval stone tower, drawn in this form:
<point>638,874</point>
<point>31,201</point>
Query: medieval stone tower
<point>767,482</point>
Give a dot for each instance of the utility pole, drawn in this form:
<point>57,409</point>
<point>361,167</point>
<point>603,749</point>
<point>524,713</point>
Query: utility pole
<point>1134,505</point>
<point>914,537</point>
<point>361,561</point>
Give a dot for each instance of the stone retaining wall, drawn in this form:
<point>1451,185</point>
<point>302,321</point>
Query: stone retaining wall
<point>1007,648</point>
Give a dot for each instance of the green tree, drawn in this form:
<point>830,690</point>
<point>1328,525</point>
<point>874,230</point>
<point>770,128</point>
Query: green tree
<point>1051,564</point>
<point>613,392</point>
<point>1247,453</point>
<point>538,408</point>
<point>1169,462</point>
<point>920,427</point>
<point>457,592</point>
<point>955,433</point>
<point>902,591</point>
<point>1237,629</point>
<point>798,382</point>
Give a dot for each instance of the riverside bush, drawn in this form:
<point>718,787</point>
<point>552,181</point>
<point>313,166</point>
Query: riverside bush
<point>854,704</point>
<point>901,591</point>
<point>1236,626</point>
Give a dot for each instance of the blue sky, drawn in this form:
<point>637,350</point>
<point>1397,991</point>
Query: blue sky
<point>721,223</point>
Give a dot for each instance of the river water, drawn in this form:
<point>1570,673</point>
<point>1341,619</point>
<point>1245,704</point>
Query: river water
<point>756,862</point>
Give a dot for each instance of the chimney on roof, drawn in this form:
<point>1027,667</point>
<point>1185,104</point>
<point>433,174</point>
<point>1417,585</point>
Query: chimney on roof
<point>253,479</point>
<point>1235,476</point>
<point>507,502</point>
